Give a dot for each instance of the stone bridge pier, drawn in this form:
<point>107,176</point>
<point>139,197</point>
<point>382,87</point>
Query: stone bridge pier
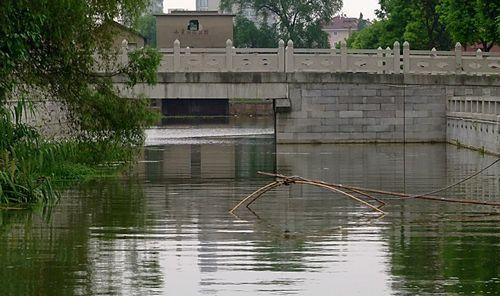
<point>356,107</point>
<point>360,107</point>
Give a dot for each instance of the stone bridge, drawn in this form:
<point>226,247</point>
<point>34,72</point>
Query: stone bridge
<point>344,95</point>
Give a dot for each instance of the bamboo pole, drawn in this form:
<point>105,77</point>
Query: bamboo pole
<point>298,180</point>
<point>264,189</point>
<point>382,203</point>
<point>398,194</point>
<point>321,182</point>
<point>426,197</point>
<point>286,180</point>
<point>332,188</point>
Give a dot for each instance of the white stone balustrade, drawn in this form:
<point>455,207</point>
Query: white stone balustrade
<point>474,121</point>
<point>486,108</point>
<point>289,59</point>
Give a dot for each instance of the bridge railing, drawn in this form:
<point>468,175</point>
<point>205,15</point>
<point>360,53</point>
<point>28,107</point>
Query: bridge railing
<point>289,59</point>
<point>485,108</point>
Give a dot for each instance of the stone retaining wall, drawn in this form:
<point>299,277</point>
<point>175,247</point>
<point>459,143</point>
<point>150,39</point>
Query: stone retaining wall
<point>376,108</point>
<point>48,117</point>
<point>473,120</point>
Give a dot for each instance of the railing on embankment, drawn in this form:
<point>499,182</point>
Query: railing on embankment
<point>290,59</point>
<point>474,121</point>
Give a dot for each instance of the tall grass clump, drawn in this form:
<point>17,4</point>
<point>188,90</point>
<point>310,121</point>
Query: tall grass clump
<point>30,165</point>
<point>19,181</point>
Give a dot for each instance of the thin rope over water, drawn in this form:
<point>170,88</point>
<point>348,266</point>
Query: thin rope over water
<point>363,198</point>
<point>456,183</point>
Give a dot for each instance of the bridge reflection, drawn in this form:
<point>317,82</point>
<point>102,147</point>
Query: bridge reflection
<point>205,161</point>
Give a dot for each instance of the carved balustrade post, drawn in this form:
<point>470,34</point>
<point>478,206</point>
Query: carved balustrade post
<point>406,57</point>
<point>229,55</point>
<point>479,57</point>
<point>380,60</point>
<point>281,56</point>
<point>343,56</point>
<point>458,58</point>
<point>124,52</point>
<point>387,56</point>
<point>177,55</point>
<point>289,58</point>
<point>397,58</point>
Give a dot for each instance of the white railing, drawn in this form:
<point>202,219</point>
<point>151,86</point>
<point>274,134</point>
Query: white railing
<point>289,59</point>
<point>485,108</point>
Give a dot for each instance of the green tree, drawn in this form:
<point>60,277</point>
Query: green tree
<point>298,20</point>
<point>471,22</point>
<point>370,37</point>
<point>146,25</point>
<point>247,34</point>
<point>415,21</point>
<point>51,50</point>
<point>362,23</point>
<point>50,45</point>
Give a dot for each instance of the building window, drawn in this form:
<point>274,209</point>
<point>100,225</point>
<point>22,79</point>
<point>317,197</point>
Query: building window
<point>335,33</point>
<point>203,5</point>
<point>193,25</point>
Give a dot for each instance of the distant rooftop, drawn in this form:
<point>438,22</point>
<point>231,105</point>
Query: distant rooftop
<point>342,23</point>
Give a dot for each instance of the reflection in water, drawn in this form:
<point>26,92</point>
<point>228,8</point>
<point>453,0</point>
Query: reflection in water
<point>165,229</point>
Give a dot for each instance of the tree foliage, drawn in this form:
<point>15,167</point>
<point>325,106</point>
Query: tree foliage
<point>247,34</point>
<point>415,21</point>
<point>146,25</point>
<point>298,20</point>
<point>362,23</point>
<point>432,23</point>
<point>50,45</point>
<point>472,22</point>
<point>373,36</point>
<point>51,50</point>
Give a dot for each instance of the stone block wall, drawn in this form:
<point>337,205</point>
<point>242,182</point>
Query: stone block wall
<point>363,108</point>
<point>48,117</point>
<point>363,112</point>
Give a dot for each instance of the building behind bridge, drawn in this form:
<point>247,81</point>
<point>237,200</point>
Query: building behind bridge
<point>194,29</point>
<point>340,29</point>
<point>121,32</point>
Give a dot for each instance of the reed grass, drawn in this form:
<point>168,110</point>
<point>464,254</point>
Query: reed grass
<point>30,165</point>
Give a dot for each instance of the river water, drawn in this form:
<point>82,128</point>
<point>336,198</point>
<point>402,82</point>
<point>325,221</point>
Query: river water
<point>164,229</point>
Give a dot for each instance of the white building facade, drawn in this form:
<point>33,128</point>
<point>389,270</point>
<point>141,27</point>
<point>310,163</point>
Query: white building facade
<point>204,5</point>
<point>340,28</point>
